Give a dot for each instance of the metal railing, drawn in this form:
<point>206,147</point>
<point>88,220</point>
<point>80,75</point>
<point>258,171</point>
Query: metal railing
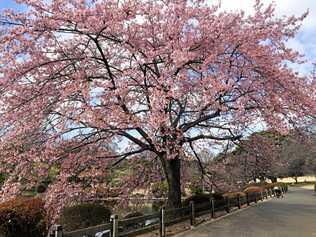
<point>166,217</point>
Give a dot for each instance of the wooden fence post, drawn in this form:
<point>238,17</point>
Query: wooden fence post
<point>213,208</point>
<point>162,229</point>
<point>238,201</point>
<point>192,212</point>
<point>247,199</point>
<point>58,231</point>
<point>114,221</point>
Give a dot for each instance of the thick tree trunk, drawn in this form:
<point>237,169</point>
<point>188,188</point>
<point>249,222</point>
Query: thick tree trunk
<point>172,172</point>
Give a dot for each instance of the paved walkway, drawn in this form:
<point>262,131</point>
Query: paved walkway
<point>292,216</point>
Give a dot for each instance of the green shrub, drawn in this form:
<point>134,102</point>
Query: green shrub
<point>195,190</point>
<point>217,196</point>
<point>197,199</point>
<point>23,217</point>
<point>156,205</point>
<point>219,200</point>
<point>234,194</point>
<point>84,215</point>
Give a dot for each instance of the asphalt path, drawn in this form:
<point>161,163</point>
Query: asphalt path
<point>292,216</point>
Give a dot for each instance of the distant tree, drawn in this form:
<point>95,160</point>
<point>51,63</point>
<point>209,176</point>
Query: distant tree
<point>310,166</point>
<point>296,168</point>
<point>270,155</point>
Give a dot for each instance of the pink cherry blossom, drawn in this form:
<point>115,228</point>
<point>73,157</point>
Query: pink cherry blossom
<point>156,77</point>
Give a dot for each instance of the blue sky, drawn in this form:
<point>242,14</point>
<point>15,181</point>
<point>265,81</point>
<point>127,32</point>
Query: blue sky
<point>9,4</point>
<point>304,42</point>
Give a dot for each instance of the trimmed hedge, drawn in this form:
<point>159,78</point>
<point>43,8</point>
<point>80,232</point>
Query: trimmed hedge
<point>84,215</point>
<point>253,189</point>
<point>23,217</point>
<point>217,196</point>
<point>197,199</point>
<point>234,194</point>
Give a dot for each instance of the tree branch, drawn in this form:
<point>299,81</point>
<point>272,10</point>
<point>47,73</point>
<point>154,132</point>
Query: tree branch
<point>186,126</point>
<point>199,137</point>
<point>122,156</point>
<point>198,159</point>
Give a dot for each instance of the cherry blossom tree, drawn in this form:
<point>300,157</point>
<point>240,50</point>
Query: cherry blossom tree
<point>163,77</point>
